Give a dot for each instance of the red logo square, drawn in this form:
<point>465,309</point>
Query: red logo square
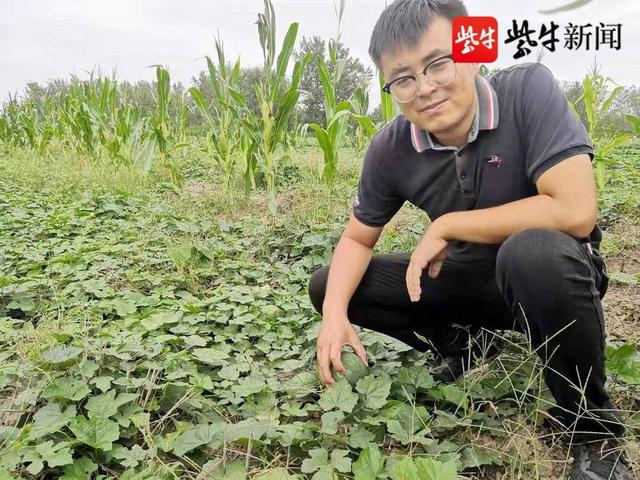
<point>474,39</point>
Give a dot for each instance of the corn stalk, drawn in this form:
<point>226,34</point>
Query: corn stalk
<point>366,127</point>
<point>330,135</point>
<point>594,88</point>
<point>161,127</point>
<point>265,130</point>
<point>223,135</point>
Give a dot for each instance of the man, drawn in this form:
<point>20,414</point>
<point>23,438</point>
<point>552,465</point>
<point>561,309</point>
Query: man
<point>502,166</point>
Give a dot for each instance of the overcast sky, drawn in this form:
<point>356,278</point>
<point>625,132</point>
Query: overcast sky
<point>44,39</point>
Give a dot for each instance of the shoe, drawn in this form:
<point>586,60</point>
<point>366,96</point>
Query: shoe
<point>599,460</point>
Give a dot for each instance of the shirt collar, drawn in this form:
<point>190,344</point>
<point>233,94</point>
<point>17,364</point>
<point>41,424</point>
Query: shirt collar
<point>486,118</point>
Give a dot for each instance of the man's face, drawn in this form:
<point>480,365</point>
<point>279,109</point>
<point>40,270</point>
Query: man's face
<point>458,95</point>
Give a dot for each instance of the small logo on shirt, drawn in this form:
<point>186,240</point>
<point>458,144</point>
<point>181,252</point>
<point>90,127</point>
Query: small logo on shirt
<point>495,160</point>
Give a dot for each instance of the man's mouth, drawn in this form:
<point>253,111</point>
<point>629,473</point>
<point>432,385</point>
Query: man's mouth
<point>433,106</point>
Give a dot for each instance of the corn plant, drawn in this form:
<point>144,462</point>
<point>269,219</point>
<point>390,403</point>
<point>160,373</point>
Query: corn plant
<point>366,128</point>
<point>635,123</point>
<point>296,136</point>
<point>160,118</point>
<point>594,88</point>
<point>247,149</point>
<point>27,125</point>
<point>265,130</point>
<point>161,126</point>
<point>330,135</point>
<point>223,137</point>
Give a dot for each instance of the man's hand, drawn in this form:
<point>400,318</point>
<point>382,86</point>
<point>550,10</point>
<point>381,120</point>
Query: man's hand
<point>335,332</point>
<point>431,251</point>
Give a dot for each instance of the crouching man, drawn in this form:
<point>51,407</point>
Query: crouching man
<point>502,166</point>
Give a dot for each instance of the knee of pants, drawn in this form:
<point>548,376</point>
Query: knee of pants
<point>529,255</point>
<point>318,286</point>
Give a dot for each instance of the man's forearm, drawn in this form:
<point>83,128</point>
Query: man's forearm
<point>496,224</point>
<point>350,261</point>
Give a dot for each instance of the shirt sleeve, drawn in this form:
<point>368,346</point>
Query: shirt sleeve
<point>552,131</point>
<point>375,202</point>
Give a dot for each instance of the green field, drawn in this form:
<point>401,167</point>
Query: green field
<point>150,331</point>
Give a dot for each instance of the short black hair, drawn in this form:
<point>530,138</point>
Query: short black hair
<point>402,23</point>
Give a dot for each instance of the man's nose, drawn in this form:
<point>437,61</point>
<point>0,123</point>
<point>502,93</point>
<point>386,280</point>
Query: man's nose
<point>424,87</point>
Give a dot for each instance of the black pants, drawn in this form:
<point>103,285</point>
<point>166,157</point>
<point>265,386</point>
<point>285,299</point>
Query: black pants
<point>543,282</point>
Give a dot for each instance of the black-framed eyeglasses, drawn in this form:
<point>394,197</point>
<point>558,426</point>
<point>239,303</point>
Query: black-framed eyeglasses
<point>439,73</point>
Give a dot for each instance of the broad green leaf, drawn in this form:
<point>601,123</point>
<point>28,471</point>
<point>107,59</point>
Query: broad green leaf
<point>277,474</point>
<point>50,419</point>
<point>211,356</point>
<point>417,377</point>
<point>430,469</point>
<point>319,459</point>
<point>338,396</point>
<point>409,424</point>
<point>61,356</point>
<point>66,388</point>
<point>477,456</point>
<point>81,469</point>
<point>199,435</point>
<point>124,307</point>
<point>361,437</point>
<point>324,468</point>
<point>107,404</point>
<point>330,422</point>
<point>243,429</point>
<point>103,383</point>
<point>161,319</point>
<point>340,461</point>
<point>233,470</point>
<point>229,372</point>
<point>252,384</point>
<point>624,362</point>
<point>406,469</point>
<point>97,432</point>
<point>370,464</point>
<point>54,455</point>
<point>375,390</point>
<point>130,458</point>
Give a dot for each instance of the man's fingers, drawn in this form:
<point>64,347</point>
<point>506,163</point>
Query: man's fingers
<point>360,351</point>
<point>413,281</point>
<point>434,269</point>
<point>410,280</point>
<point>337,361</point>
<point>323,366</point>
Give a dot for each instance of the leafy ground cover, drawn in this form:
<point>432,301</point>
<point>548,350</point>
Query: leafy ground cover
<point>151,332</point>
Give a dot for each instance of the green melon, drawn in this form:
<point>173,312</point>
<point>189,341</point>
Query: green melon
<point>356,369</point>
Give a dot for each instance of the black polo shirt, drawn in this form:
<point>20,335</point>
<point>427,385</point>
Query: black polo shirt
<point>523,126</point>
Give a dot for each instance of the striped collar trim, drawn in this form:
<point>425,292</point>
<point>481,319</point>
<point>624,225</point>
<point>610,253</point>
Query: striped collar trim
<point>486,118</point>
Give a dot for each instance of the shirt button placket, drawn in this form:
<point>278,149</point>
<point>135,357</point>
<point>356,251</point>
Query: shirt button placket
<point>461,167</point>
